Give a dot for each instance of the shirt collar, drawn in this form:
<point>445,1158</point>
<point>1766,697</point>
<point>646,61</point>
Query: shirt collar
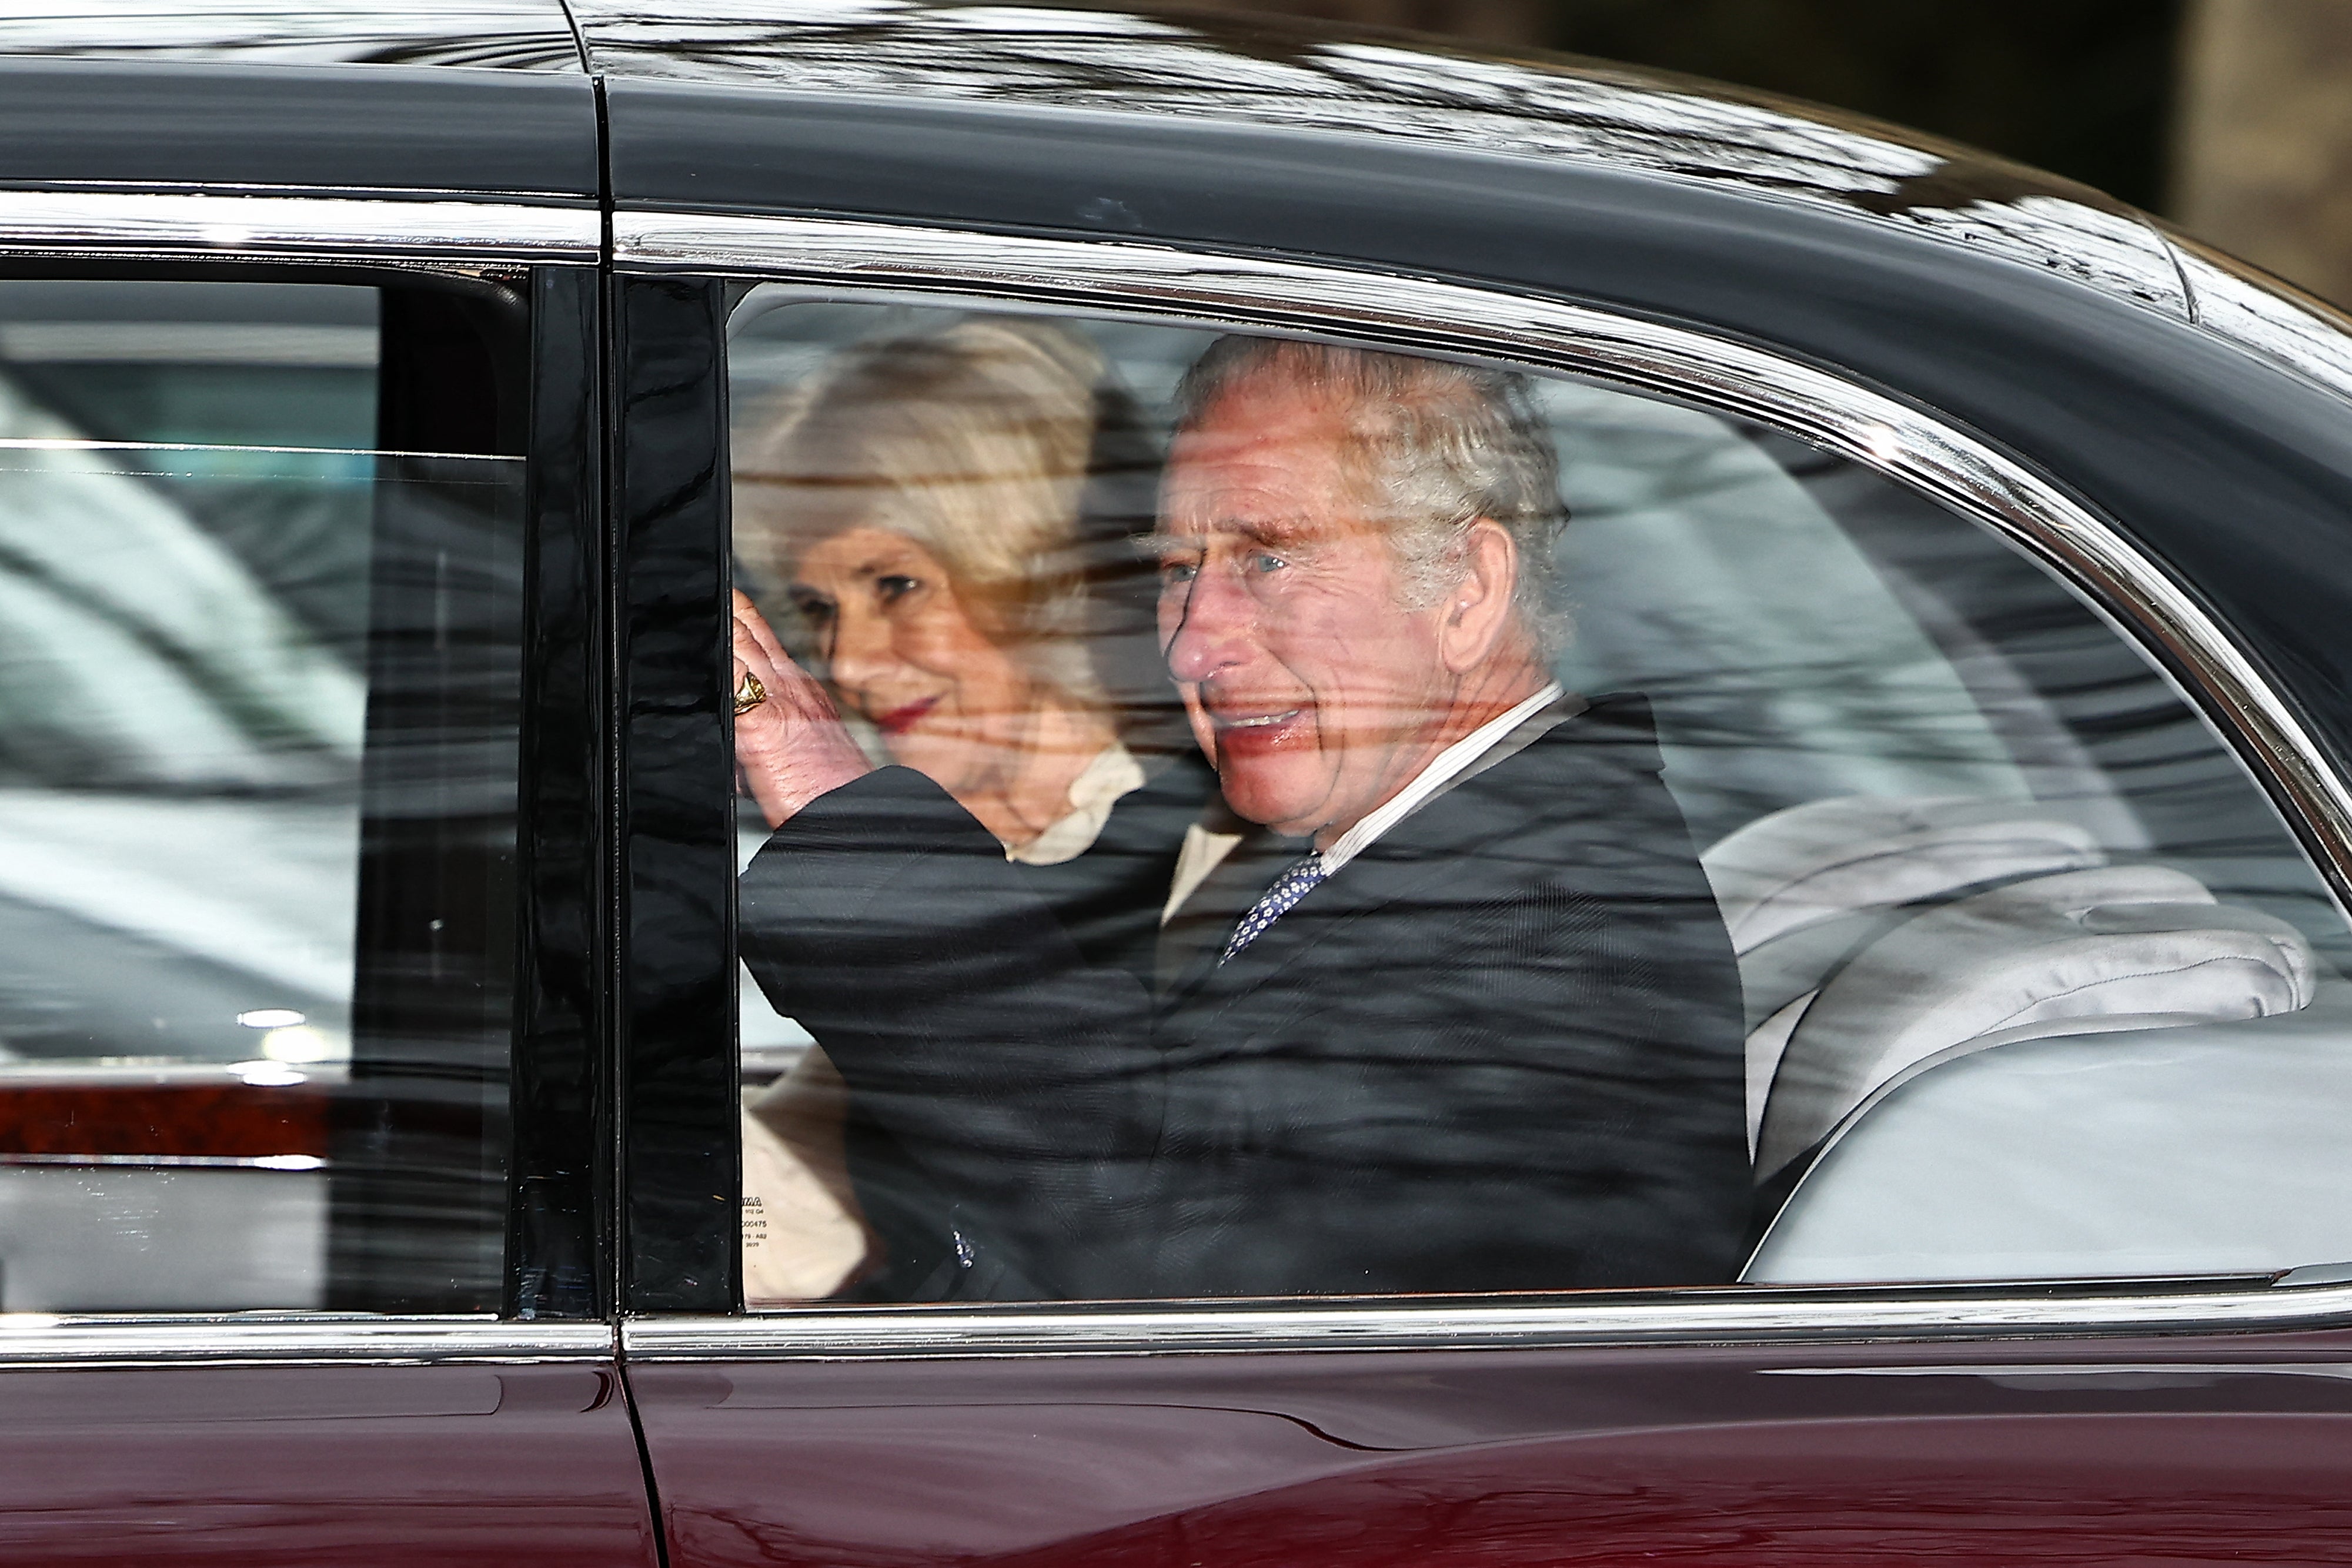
<point>1442,770</point>
<point>1113,773</point>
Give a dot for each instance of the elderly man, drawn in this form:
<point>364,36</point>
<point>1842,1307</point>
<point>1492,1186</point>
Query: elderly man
<point>1481,1034</point>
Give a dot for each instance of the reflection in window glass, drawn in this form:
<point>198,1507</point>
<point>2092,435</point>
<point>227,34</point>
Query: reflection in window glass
<point>257,716</point>
<point>1296,820</point>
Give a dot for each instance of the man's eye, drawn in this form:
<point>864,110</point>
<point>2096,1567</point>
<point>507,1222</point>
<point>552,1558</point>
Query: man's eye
<point>1179,570</point>
<point>1261,561</point>
<point>892,587</point>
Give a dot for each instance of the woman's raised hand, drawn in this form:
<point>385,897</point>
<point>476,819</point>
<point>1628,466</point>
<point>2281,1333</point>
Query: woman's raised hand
<point>791,744</point>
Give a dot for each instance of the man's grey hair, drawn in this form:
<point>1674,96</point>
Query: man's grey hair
<point>1435,446</point>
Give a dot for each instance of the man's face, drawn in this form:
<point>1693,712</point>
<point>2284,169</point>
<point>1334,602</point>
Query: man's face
<point>1309,684</point>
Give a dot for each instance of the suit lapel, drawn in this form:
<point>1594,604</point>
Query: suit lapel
<point>1486,802</point>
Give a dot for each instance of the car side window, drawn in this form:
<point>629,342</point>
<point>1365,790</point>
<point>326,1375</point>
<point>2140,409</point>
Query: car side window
<point>259,654</point>
<point>1233,816</point>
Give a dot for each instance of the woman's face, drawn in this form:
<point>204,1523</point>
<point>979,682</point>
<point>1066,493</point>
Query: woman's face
<point>904,654</point>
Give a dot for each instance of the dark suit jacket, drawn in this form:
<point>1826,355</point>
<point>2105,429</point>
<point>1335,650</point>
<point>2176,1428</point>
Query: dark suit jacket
<point>1108,901</point>
<point>1499,1050</point>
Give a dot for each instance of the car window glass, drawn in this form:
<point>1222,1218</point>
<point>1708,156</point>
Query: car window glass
<point>257,688</point>
<point>1302,820</point>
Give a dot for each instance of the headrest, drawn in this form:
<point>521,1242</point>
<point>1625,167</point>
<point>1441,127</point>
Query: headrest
<point>1830,858</point>
<point>2134,939</point>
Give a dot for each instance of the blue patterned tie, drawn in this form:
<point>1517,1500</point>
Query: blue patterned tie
<point>1288,888</point>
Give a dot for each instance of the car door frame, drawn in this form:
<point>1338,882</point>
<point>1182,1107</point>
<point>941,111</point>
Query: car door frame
<point>950,1382</point>
<point>552,1335</point>
<point>682,1219</point>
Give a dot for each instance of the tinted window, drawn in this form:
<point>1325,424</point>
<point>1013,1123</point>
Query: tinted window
<point>259,662</point>
<point>1230,817</point>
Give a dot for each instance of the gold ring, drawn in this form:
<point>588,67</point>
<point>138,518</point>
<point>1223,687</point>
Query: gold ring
<point>751,693</point>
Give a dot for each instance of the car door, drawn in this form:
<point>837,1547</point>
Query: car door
<point>298,1197</point>
<point>1831,653</point>
<point>2046,1262</point>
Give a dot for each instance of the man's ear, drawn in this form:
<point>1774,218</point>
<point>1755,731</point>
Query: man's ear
<point>1476,612</point>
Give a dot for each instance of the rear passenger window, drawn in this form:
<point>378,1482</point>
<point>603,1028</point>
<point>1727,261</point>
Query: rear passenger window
<point>1235,817</point>
<point>259,600</point>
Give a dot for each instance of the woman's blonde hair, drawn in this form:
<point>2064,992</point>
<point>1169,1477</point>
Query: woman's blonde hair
<point>977,442</point>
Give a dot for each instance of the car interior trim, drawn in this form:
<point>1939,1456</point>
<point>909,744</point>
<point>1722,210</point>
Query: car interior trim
<point>1906,443</point>
<point>291,1339</point>
<point>216,225</point>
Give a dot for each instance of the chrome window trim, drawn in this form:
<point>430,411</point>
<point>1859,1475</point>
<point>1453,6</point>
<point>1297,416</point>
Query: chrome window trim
<point>292,1164</point>
<point>1907,443</point>
<point>829,1333</point>
<point>293,1339</point>
<point>213,225</point>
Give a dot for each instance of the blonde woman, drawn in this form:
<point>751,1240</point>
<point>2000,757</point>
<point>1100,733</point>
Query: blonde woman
<point>948,515</point>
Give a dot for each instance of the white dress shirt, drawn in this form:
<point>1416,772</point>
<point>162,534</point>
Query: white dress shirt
<point>1442,770</point>
<point>1113,773</point>
<point>1203,849</point>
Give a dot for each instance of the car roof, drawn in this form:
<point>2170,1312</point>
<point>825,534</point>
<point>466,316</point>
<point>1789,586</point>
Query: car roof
<point>1151,63</point>
<point>514,35</point>
<point>1168,63</point>
<point>1141,64</point>
<point>1151,59</point>
<point>1146,62</point>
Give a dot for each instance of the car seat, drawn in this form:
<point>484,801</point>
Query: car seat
<point>1877,936</point>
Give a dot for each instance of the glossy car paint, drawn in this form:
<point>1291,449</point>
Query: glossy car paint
<point>2047,1452</point>
<point>561,1261</point>
<point>509,34</point>
<point>364,1466</point>
<point>378,128</point>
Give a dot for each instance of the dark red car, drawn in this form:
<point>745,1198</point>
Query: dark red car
<point>398,1166</point>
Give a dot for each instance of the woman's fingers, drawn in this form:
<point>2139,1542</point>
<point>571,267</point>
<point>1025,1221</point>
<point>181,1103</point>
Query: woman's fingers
<point>793,746</point>
<point>748,646</point>
<point>757,647</point>
<point>748,616</point>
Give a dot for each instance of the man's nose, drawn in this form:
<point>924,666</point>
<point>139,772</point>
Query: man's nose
<point>1212,623</point>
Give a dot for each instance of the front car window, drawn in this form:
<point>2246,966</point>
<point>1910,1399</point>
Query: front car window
<point>1226,816</point>
<point>259,601</point>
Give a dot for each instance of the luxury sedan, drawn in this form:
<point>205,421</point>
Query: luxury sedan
<point>907,783</point>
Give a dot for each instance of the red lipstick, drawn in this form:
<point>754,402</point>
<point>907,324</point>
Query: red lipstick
<point>899,720</point>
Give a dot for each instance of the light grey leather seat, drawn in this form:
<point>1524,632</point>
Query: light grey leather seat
<point>1801,888</point>
<point>1827,859</point>
<point>1878,937</point>
<point>2193,1149</point>
<point>2038,956</point>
